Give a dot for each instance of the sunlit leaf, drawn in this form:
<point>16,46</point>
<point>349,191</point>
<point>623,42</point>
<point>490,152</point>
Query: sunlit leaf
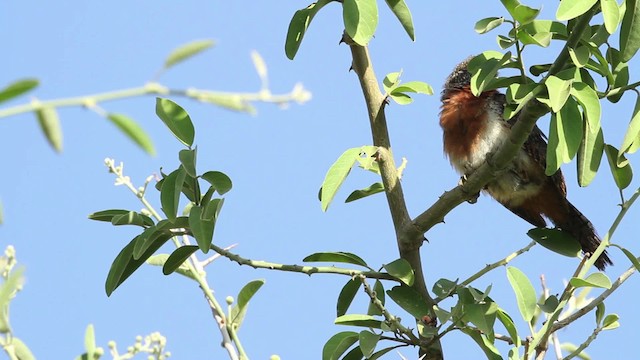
<point>570,9</point>
<point>402,13</point>
<point>133,131</point>
<point>338,257</point>
<point>368,342</point>
<point>361,320</point>
<point>17,88</point>
<point>298,27</point>
<point>487,24</point>
<point>336,175</point>
<point>347,294</point>
<point>400,269</point>
<point>176,119</point>
<point>378,289</point>
<point>622,175</point>
<point>598,279</point>
<point>360,19</point>
<point>239,310</point>
<point>409,300</point>
<point>611,14</point>
<point>50,125</point>
<point>525,292</point>
<point>610,322</point>
<point>338,344</point>
<point>630,30</point>
<point>186,51</point>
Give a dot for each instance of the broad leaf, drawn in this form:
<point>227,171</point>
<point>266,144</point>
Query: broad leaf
<point>622,175</point>
<point>239,310</point>
<point>487,24</point>
<point>598,279</point>
<point>360,19</point>
<point>347,294</point>
<point>298,27</point>
<point>525,292</point>
<point>361,320</point>
<point>400,269</point>
<point>556,240</point>
<point>202,228</point>
<point>336,175</point>
<point>611,14</point>
<point>338,257</point>
<point>570,9</point>
<point>368,342</point>
<point>378,289</point>
<point>220,181</point>
<point>176,119</point>
<point>177,258</point>
<point>589,155</point>
<point>170,192</point>
<point>338,344</point>
<point>188,160</point>
<point>409,300</point>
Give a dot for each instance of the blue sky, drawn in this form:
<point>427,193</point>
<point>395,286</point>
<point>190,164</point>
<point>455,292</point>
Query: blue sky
<point>277,161</point>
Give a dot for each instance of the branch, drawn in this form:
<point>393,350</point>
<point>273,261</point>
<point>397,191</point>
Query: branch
<point>309,270</point>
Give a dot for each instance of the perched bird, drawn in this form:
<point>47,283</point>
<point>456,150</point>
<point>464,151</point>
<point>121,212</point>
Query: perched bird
<point>474,128</point>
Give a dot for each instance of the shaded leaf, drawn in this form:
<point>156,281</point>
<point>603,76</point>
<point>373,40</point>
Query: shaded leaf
<point>170,192</point>
<point>610,322</point>
<point>409,300</point>
<point>338,257</point>
<point>630,256</point>
<point>176,119</point>
<point>133,131</point>
<point>202,228</point>
<point>508,324</point>
<point>525,292</point>
<point>298,27</point>
<point>402,13</point>
<point>50,125</point>
<point>338,344</point>
<point>186,51</point>
<point>361,320</point>
<point>347,294</point>
<point>188,160</point>
<point>444,287</point>
<point>374,188</point>
<point>220,181</point>
<point>484,68</point>
<point>107,215</point>
<point>487,347</point>
<point>565,136</point>
<point>589,155</point>
<point>588,99</point>
<point>177,258</point>
<point>368,342</point>
<point>378,289</point>
<point>630,31</point>
<point>559,91</point>
<point>632,135</point>
<point>600,311</point>
<point>132,218</point>
<point>622,175</point>
<point>550,304</point>
<point>360,19</point>
<point>557,241</point>
<point>487,24</point>
<point>18,88</point>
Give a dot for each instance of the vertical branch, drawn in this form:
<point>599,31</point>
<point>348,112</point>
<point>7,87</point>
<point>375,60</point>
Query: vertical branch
<point>408,239</point>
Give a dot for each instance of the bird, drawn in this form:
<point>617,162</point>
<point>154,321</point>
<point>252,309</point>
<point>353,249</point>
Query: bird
<point>474,128</point>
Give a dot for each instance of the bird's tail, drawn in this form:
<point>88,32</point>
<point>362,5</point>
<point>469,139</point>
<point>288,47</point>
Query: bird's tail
<point>581,228</point>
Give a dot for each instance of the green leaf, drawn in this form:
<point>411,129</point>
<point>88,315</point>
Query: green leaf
<point>239,310</point>
<point>188,160</point>
<point>202,228</point>
<point>132,218</point>
<point>390,81</point>
<point>620,74</point>
<point>570,9</point>
<point>176,119</point>
<point>186,51</point>
<point>589,155</point>
<point>600,310</point>
<point>442,315</point>
<point>8,288</point>
<point>484,69</point>
<point>338,344</point>
<point>630,30</point>
<point>444,287</point>
<point>107,215</point>
<point>588,99</point>
<point>353,354</point>
<point>622,175</point>
<point>21,350</point>
<point>483,316</point>
<point>170,192</point>
<point>409,300</point>
<point>632,135</point>
<point>565,136</point>
<point>508,324</point>
<point>378,289</point>
<point>50,125</point>
<point>598,279</point>
<point>610,322</point>
<point>524,14</point>
<point>542,39</point>
<point>361,320</point>
<point>611,14</point>
<point>374,188</point>
<point>338,257</point>
<point>630,256</point>
<point>133,131</point>
<point>90,342</point>
<point>400,269</point>
<point>298,27</point>
<point>347,294</point>
<point>336,175</point>
<point>220,181</point>
<point>360,19</point>
<point>559,91</point>
<point>177,258</point>
<point>525,293</point>
<point>124,264</point>
<point>402,13</point>
<point>485,25</point>
<point>368,342</point>
<point>212,209</point>
<point>556,240</point>
<point>487,347</point>
<point>161,232</point>
<point>550,304</point>
<point>401,98</point>
<point>379,354</point>
<point>18,88</point>
<point>580,56</point>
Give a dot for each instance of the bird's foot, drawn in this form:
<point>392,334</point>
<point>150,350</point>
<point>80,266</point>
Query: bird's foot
<point>473,198</point>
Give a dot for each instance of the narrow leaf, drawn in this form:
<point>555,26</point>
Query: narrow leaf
<point>338,257</point>
<point>202,228</point>
<point>633,131</point>
<point>18,88</point>
<point>378,289</point>
<point>559,91</point>
<point>50,126</point>
<point>188,160</point>
<point>361,320</point>
<point>487,347</point>
<point>630,256</point>
<point>600,311</point>
<point>298,27</point>
<point>373,189</point>
<point>90,342</point>
<point>525,292</point>
<point>176,119</point>
<point>336,175</point>
<point>630,30</point>
<point>487,24</point>
<point>170,192</point>
<point>508,324</point>
<point>244,296</point>
<point>402,13</point>
<point>186,51</point>
<point>622,175</point>
<point>21,349</point>
<point>107,215</point>
<point>177,258</point>
<point>133,131</point>
<point>589,155</point>
<point>347,294</point>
